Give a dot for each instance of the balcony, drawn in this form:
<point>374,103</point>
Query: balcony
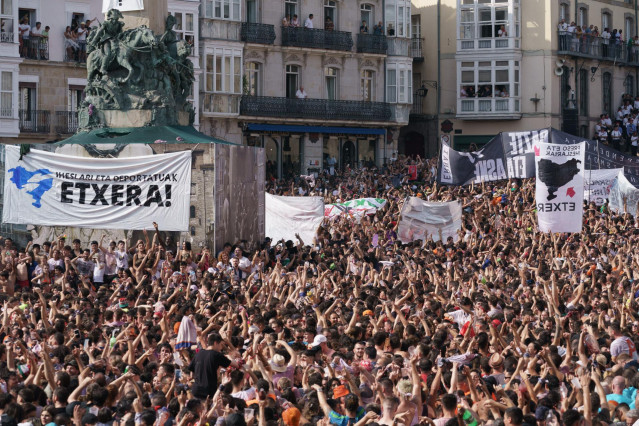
<point>35,48</point>
<point>76,52</point>
<point>400,113</point>
<point>220,104</point>
<point>488,108</point>
<point>257,33</point>
<point>317,38</point>
<point>220,30</point>
<point>6,37</point>
<point>66,122</point>
<point>416,47</point>
<point>34,121</point>
<point>318,109</point>
<point>372,43</point>
<point>597,48</point>
<point>481,44</point>
<point>399,46</point>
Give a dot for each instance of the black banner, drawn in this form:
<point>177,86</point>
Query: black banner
<point>510,155</point>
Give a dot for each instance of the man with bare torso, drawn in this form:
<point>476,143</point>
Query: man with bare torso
<point>22,270</point>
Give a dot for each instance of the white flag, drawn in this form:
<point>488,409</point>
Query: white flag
<point>597,184</point>
<point>560,186</point>
<point>420,219</point>
<point>122,5</point>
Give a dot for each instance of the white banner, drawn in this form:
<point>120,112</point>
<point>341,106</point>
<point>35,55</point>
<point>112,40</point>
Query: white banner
<point>560,186</point>
<point>287,216</point>
<point>420,219</point>
<point>597,184</point>
<point>122,5</point>
<point>107,193</point>
<point>354,208</point>
<point>623,192</point>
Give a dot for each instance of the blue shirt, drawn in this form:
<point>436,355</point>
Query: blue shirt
<point>340,420</point>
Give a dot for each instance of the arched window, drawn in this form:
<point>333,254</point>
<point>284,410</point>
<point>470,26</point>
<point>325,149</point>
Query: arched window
<point>330,11</point>
<point>192,212</point>
<point>366,14</point>
<point>582,16</point>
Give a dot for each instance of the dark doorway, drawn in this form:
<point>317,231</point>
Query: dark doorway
<point>414,145</point>
<point>349,156</point>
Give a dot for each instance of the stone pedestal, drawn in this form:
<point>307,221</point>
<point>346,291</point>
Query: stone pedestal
<point>153,16</point>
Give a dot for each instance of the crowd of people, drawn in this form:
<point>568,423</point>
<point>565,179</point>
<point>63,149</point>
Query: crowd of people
<point>502,326</point>
<point>34,40</point>
<point>589,40</point>
<point>622,132</point>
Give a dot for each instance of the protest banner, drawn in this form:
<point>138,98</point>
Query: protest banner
<point>559,186</point>
<point>623,196</point>
<point>597,184</point>
<point>44,188</point>
<point>287,216</point>
<point>420,219</point>
<point>354,208</point>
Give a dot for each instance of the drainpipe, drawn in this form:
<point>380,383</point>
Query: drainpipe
<point>439,66</point>
<point>636,33</point>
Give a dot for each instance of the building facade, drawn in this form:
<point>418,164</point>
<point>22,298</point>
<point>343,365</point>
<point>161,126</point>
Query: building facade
<point>356,83</point>
<point>503,65</point>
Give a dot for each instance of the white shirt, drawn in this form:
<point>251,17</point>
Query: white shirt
<point>308,23</point>
<point>616,134</point>
<point>36,31</point>
<point>606,36</point>
<point>301,94</point>
<point>82,34</point>
<point>563,26</point>
<point>121,259</point>
<point>24,27</point>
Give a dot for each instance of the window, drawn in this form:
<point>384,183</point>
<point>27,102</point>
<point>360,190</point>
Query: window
<point>399,83</point>
<point>416,26</point>
<point>629,27</point>
<point>252,79</point>
<point>223,76</point>
<point>489,79</point>
<point>6,21</point>
<point>330,11</point>
<point>223,9</point>
<point>583,92</point>
<point>251,11</point>
<point>290,8</point>
<point>488,19</point>
<point>607,93</point>
<point>330,75</point>
<point>224,70</point>
<point>366,14</point>
<point>397,16</point>
<point>564,11</point>
<point>75,98</point>
<point>629,85</point>
<point>192,212</point>
<point>582,16</point>
<point>292,80</point>
<point>6,94</point>
<point>368,84</point>
<point>606,20</point>
<point>184,27</point>
<point>29,14</point>
<point>193,231</point>
<point>76,19</point>
<point>27,99</point>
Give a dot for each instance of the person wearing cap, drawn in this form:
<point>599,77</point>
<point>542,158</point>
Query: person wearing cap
<point>321,342</point>
<point>291,416</point>
<point>496,363</point>
<point>350,411</point>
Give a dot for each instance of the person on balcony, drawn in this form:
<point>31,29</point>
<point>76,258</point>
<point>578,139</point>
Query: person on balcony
<point>463,93</point>
<point>605,41</point>
<point>391,30</point>
<point>295,22</point>
<point>44,42</point>
<point>286,21</point>
<point>81,36</point>
<point>308,24</point>
<point>36,39</point>
<point>502,32</point>
<point>574,43</point>
<point>24,29</point>
<point>70,44</point>
<point>328,24</point>
<point>378,29</point>
<point>363,29</point>
<point>563,35</point>
<point>301,94</point>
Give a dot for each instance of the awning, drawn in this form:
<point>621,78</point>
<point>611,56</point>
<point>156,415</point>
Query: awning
<point>149,135</point>
<point>289,128</point>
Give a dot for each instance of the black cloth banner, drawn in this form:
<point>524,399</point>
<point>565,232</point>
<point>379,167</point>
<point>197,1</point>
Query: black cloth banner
<point>510,155</point>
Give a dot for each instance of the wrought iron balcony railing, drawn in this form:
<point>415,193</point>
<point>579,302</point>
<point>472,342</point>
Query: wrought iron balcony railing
<point>320,109</point>
<point>372,43</point>
<point>34,121</point>
<point>75,52</point>
<point>317,38</point>
<point>66,122</point>
<point>257,33</point>
<point>35,48</point>
<point>6,37</point>
<point>600,48</point>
